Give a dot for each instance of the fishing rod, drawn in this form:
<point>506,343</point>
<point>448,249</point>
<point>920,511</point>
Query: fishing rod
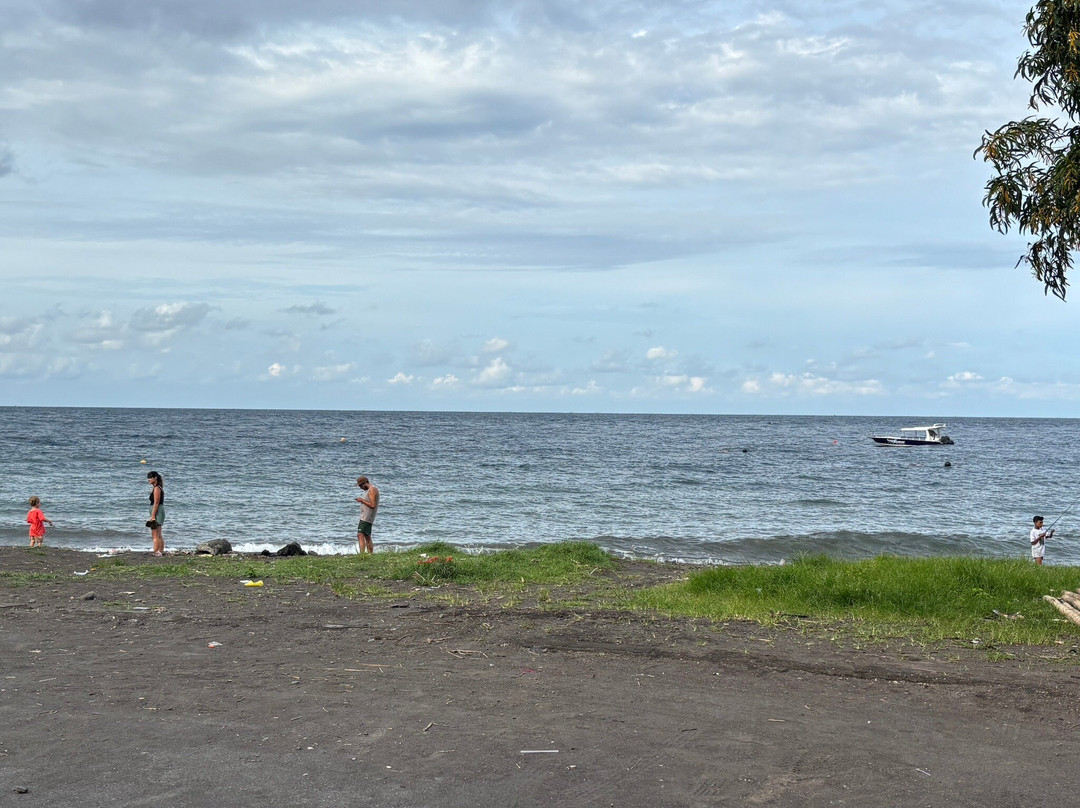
<point>1071,504</point>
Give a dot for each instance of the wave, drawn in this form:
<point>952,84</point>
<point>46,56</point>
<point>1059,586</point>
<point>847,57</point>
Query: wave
<point>843,544</point>
<point>775,549</point>
<point>73,537</point>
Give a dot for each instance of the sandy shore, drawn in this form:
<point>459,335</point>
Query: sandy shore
<point>314,700</point>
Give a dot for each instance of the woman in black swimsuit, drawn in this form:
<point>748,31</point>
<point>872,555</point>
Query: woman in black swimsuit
<point>157,511</point>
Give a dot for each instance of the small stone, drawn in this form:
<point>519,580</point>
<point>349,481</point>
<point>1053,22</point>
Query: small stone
<point>89,596</point>
<point>21,790</point>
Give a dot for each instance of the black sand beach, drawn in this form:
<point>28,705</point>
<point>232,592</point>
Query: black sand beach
<point>315,700</point>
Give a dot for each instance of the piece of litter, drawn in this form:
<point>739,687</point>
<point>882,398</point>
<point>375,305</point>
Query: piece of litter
<point>140,608</point>
<point>539,751</point>
<point>253,583</point>
<point>84,572</point>
<point>213,644</point>
<point>923,771</point>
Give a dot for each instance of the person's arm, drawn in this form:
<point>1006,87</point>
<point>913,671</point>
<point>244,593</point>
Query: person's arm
<point>157,502</point>
<point>370,498</point>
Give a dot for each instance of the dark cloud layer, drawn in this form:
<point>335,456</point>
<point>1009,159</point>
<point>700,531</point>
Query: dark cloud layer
<point>216,20</point>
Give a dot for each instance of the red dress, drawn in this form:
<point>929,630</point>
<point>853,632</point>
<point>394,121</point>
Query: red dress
<point>37,523</point>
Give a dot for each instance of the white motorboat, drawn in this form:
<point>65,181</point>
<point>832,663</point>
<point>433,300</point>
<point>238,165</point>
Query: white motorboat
<point>933,435</point>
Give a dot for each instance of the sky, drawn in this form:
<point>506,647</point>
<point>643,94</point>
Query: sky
<point>663,206</point>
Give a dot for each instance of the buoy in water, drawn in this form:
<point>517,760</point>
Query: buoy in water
<point>142,462</point>
<point>342,440</point>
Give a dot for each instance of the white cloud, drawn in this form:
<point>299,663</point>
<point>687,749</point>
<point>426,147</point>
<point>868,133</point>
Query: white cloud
<point>611,362</point>
<point>811,385</point>
<point>449,380</point>
<point>99,331</point>
<point>402,379</point>
<point>660,352</point>
<point>62,366</point>
<point>169,317</point>
<point>16,335</point>
<point>428,353</point>
<point>964,377</point>
<point>495,345</point>
<point>329,373</point>
<point>495,373</point>
<point>684,383</point>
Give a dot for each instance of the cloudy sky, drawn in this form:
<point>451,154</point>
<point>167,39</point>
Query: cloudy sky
<point>663,206</point>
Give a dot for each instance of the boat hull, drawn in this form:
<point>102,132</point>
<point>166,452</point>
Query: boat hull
<point>884,440</point>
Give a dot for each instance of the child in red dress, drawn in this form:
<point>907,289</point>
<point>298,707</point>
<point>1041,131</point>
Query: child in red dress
<point>37,522</point>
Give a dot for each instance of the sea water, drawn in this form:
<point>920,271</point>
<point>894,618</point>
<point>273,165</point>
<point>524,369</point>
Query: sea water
<point>705,489</point>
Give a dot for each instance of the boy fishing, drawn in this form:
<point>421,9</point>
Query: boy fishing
<point>1038,536</point>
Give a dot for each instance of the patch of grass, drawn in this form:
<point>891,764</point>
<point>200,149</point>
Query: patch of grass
<point>10,578</point>
<point>551,564</point>
<point>925,600</point>
<point>354,590</point>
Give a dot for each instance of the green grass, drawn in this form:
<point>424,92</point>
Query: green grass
<point>13,579</point>
<point>925,600</point>
<point>553,564</point>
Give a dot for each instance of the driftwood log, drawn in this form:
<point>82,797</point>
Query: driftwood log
<point>1070,612</point>
<point>1072,598</point>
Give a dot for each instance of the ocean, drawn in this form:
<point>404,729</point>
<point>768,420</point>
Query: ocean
<point>700,489</point>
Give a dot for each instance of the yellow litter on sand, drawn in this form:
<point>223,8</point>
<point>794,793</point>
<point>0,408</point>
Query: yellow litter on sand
<point>252,583</point>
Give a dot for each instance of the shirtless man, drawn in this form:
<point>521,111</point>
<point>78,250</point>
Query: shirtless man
<point>369,503</point>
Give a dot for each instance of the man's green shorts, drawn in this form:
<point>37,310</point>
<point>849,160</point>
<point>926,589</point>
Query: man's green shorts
<point>364,527</point>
